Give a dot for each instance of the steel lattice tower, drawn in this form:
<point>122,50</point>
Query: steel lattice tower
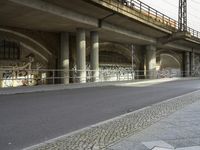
<point>182,15</point>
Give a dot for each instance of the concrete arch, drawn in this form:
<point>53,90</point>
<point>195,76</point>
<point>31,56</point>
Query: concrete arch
<point>174,58</point>
<point>116,48</point>
<point>169,59</point>
<point>27,42</point>
<point>171,54</point>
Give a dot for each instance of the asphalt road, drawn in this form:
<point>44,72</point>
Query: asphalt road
<point>28,119</point>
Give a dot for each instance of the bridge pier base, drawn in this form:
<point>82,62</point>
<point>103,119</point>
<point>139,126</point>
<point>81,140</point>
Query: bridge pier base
<point>151,62</point>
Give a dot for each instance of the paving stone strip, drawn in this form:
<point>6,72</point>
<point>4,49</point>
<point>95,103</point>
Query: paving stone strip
<point>101,135</point>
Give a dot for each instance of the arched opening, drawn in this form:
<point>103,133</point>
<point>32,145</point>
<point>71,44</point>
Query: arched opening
<point>115,62</point>
<point>169,61</point>
<point>22,60</point>
<point>109,57</point>
<point>170,66</point>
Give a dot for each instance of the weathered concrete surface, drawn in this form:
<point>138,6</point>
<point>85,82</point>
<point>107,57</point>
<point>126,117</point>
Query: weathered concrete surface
<point>151,61</point>
<point>45,44</point>
<point>64,54</point>
<point>94,55</point>
<point>186,64</point>
<point>59,16</point>
<point>132,13</point>
<point>81,54</point>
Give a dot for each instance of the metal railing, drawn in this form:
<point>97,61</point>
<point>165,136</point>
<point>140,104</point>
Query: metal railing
<point>150,14</point>
<point>14,77</point>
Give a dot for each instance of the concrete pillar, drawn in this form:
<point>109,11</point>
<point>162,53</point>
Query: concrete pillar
<point>142,64</point>
<point>151,62</point>
<point>94,55</point>
<point>81,55</point>
<point>186,64</point>
<point>64,56</point>
<point>192,58</point>
<point>72,58</point>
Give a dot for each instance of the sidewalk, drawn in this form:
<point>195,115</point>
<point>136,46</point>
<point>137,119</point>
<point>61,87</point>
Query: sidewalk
<point>180,131</point>
<point>42,88</point>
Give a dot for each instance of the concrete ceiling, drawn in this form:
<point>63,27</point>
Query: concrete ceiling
<point>16,15</point>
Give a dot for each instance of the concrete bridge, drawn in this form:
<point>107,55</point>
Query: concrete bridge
<point>92,35</point>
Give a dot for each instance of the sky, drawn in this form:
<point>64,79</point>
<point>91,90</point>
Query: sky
<point>170,8</point>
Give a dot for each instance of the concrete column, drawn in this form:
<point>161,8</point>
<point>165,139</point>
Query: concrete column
<point>64,55</point>
<point>192,58</point>
<point>186,64</point>
<point>81,55</point>
<point>72,58</point>
<point>94,55</point>
<point>151,62</point>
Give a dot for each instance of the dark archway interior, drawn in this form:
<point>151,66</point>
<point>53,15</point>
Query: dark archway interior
<point>169,61</point>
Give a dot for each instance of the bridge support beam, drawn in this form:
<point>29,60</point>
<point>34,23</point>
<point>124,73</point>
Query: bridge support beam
<point>186,64</point>
<point>81,54</point>
<point>151,62</point>
<point>94,55</point>
<point>64,56</point>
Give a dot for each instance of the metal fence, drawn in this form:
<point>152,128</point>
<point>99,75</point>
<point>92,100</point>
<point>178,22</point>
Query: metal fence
<point>150,14</point>
<point>14,77</point>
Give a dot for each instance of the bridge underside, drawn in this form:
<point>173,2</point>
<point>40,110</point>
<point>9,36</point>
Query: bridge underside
<point>82,41</point>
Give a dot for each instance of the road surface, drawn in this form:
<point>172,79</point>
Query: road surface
<point>31,118</point>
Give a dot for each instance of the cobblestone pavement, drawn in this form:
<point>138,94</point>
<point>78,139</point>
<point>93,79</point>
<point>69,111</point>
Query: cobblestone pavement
<point>102,135</point>
<point>179,131</point>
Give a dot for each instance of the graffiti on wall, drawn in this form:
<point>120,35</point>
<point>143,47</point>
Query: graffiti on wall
<point>107,72</point>
<point>168,73</point>
<point>196,68</point>
<point>21,74</point>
